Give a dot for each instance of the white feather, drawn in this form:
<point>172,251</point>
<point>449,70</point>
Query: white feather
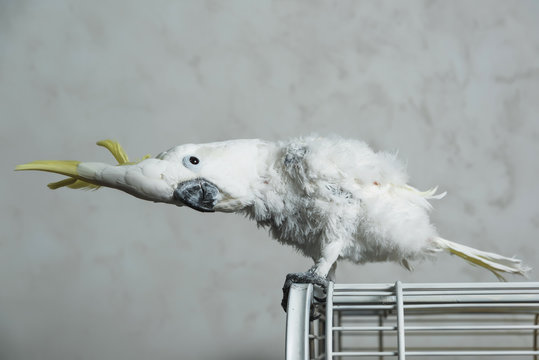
<point>333,198</point>
<point>330,198</point>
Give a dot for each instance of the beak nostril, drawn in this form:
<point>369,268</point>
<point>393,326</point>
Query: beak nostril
<point>202,191</point>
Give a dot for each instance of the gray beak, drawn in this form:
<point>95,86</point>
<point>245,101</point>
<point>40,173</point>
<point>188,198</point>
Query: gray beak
<point>198,194</point>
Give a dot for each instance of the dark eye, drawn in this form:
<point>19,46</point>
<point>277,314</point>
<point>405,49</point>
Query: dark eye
<point>194,160</point>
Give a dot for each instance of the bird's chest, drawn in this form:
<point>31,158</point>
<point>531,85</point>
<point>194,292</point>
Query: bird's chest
<point>300,223</point>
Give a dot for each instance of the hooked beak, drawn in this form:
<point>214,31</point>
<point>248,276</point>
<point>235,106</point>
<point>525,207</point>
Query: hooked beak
<point>198,194</point>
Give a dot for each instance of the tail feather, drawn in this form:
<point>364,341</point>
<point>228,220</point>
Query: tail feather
<point>494,262</point>
<point>428,194</point>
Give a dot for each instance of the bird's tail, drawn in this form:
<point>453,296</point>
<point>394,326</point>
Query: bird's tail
<point>78,177</point>
<point>495,263</point>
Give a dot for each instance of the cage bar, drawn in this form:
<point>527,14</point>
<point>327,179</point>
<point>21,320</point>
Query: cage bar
<point>439,320</point>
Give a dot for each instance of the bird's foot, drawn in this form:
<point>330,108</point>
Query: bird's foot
<point>308,277</point>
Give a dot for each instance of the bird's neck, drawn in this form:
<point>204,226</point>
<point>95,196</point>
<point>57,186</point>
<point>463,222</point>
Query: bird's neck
<point>271,190</point>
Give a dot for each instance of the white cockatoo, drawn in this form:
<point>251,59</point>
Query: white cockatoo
<point>330,198</point>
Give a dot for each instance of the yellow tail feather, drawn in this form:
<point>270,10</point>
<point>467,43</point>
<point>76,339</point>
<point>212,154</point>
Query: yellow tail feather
<point>494,262</point>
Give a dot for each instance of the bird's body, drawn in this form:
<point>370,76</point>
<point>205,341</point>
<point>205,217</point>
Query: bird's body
<point>330,198</point>
<point>333,198</point>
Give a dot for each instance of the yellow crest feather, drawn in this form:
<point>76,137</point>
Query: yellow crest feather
<point>61,183</point>
<point>73,183</point>
<point>69,167</point>
<point>116,150</point>
<point>64,167</point>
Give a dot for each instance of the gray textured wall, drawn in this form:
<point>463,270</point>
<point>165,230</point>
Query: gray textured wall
<point>454,85</point>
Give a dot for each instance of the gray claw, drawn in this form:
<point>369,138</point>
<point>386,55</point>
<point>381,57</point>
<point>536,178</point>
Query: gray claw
<point>308,277</point>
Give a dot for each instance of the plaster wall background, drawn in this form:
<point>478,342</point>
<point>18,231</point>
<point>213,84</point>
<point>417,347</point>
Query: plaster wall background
<point>452,85</point>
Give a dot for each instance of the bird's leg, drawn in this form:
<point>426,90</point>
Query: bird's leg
<point>320,295</point>
<point>331,273</point>
<point>317,275</point>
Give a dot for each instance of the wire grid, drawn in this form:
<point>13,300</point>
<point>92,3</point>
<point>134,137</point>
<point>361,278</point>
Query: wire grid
<point>378,321</point>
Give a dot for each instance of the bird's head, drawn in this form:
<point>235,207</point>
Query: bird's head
<point>210,177</point>
<point>216,176</point>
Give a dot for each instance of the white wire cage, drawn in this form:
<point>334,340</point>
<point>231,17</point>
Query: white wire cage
<point>434,321</point>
